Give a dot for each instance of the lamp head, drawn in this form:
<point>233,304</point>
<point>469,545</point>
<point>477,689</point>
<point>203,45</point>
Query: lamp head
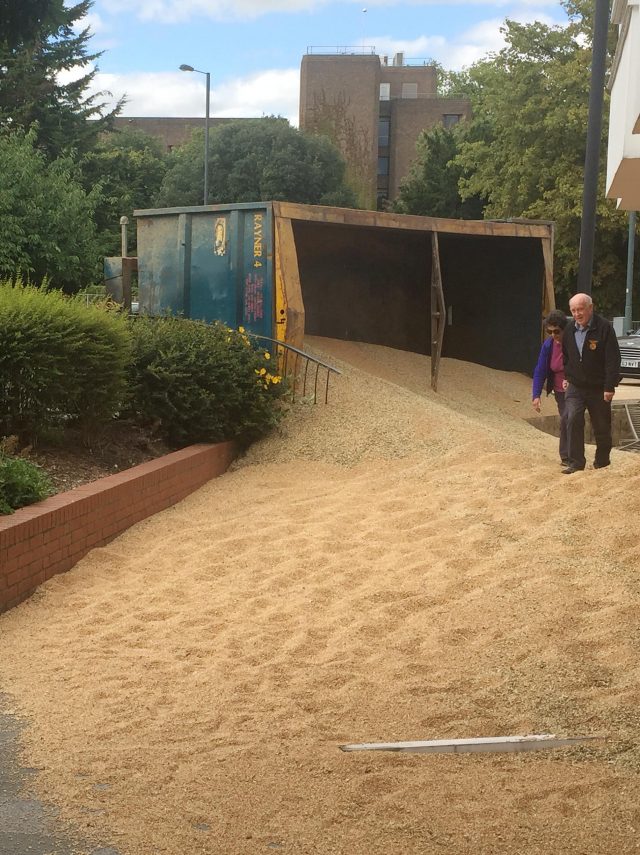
<point>186,68</point>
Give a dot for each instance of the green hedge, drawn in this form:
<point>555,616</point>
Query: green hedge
<point>196,382</point>
<point>60,362</point>
<point>63,363</point>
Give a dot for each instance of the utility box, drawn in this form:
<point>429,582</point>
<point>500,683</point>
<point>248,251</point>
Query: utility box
<point>471,290</point>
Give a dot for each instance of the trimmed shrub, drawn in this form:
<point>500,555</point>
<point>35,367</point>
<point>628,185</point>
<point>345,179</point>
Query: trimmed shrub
<point>195,382</point>
<point>21,483</point>
<point>60,361</point>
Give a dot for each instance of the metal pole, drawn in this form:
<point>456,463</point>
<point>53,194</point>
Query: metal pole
<point>124,222</point>
<point>206,144</point>
<point>628,311</point>
<point>592,157</point>
<point>185,67</point>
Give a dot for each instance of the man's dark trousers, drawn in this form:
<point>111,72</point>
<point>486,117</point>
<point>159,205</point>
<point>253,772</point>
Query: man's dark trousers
<point>577,400</point>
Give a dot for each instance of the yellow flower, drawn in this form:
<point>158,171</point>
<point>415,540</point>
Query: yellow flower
<point>263,371</point>
<point>240,329</point>
<point>267,355</point>
<point>276,379</point>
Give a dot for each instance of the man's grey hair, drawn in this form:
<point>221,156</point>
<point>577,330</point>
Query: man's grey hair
<point>585,297</point>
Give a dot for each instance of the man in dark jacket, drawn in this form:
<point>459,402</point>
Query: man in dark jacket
<point>592,372</point>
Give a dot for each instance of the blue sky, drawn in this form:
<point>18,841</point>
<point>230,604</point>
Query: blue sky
<point>253,48</point>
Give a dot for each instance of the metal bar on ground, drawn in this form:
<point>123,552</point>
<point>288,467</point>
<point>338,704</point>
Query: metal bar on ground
<point>533,742</point>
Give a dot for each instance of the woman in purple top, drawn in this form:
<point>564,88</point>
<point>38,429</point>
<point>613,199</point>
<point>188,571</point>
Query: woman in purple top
<point>549,371</point>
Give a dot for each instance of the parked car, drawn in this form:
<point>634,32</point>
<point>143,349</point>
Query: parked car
<point>630,353</point>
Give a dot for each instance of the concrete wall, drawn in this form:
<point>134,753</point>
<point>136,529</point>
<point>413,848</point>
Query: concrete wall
<point>620,430</point>
<point>48,538</point>
<point>623,157</point>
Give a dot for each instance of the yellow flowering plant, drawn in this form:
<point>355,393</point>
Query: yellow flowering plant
<point>201,382</point>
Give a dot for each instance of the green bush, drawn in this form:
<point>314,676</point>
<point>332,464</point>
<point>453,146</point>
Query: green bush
<point>21,483</point>
<point>61,361</point>
<point>195,382</point>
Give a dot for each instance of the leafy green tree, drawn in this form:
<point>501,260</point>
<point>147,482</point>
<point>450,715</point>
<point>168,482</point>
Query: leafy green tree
<point>47,217</point>
<point>257,160</point>
<point>524,149</point>
<point>35,49</point>
<point>128,167</point>
<point>432,187</point>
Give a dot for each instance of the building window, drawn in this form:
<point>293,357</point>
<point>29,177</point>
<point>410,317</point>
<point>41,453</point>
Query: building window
<point>385,91</point>
<point>383,132</point>
<point>409,90</point>
<point>383,166</point>
<point>450,119</point>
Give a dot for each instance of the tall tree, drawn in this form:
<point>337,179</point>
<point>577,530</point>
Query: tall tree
<point>20,20</point>
<point>43,81</point>
<point>432,187</point>
<point>256,160</point>
<point>524,150</point>
<point>46,215</point>
<point>127,166</point>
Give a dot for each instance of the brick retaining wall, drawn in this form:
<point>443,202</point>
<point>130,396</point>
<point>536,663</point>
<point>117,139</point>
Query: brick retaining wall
<point>51,536</point>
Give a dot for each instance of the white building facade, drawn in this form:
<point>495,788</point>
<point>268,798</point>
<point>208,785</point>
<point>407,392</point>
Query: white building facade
<point>623,157</point>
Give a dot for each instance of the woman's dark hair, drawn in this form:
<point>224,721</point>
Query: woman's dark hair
<point>556,318</point>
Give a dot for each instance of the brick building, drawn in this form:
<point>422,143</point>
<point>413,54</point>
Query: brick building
<point>374,112</point>
<point>171,131</point>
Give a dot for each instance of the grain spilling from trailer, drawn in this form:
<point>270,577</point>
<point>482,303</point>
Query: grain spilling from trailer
<point>470,290</point>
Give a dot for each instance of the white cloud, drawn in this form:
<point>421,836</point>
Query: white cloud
<point>183,94</point>
<point>172,11</point>
<point>424,47</point>
<point>481,39</point>
<point>92,20</point>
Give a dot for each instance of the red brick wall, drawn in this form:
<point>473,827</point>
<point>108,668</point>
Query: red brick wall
<point>49,537</point>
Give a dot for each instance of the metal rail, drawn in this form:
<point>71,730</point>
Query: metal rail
<point>296,371</point>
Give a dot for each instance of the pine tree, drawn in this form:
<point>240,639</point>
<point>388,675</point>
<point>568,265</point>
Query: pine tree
<point>39,47</point>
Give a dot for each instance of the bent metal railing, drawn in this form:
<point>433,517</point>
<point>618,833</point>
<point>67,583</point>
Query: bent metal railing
<point>294,365</point>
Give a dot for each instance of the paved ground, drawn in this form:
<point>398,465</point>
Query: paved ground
<point>26,826</point>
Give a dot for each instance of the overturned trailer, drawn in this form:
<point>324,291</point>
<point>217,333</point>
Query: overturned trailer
<point>470,290</point>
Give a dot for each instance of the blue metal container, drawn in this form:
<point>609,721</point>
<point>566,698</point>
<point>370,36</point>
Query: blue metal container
<point>209,263</point>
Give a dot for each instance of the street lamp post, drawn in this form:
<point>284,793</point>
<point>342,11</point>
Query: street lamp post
<point>591,162</point>
<point>206,129</point>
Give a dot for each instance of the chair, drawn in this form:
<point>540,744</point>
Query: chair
<point>632,410</point>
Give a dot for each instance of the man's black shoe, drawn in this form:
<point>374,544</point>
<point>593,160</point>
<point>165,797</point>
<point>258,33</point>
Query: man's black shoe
<point>565,462</point>
<point>570,470</point>
<point>597,465</point>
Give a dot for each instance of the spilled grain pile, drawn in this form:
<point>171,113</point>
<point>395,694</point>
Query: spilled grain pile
<point>398,565</point>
